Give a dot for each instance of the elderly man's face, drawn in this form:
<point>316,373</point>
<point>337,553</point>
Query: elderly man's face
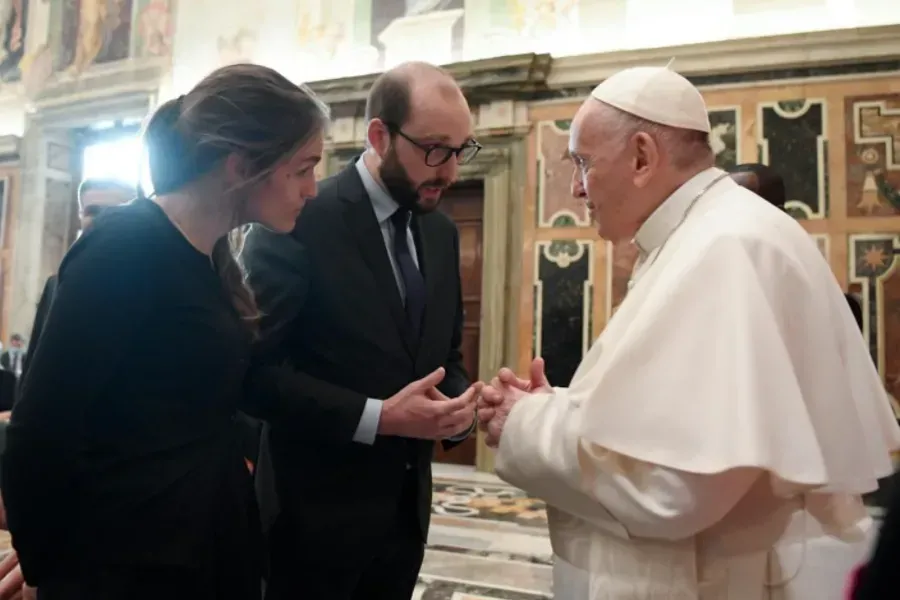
<point>602,176</point>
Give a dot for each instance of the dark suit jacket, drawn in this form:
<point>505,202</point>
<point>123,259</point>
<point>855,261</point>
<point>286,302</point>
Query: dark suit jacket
<point>40,316</point>
<point>331,308</point>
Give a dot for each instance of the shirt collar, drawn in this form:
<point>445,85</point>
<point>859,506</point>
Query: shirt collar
<point>382,203</point>
<point>668,215</point>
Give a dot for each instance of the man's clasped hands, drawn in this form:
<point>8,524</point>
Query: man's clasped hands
<point>422,411</point>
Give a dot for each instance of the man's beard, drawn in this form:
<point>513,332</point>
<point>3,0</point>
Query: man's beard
<point>401,188</point>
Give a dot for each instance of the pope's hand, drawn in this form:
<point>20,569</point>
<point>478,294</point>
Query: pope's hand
<point>537,380</point>
<point>536,384</point>
<point>501,401</point>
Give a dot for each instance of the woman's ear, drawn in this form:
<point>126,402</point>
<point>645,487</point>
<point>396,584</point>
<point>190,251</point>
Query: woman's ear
<point>235,171</point>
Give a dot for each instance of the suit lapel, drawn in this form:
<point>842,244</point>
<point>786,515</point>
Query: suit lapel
<point>360,218</point>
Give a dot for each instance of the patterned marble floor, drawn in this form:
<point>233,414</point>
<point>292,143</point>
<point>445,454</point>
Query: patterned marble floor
<point>488,541</point>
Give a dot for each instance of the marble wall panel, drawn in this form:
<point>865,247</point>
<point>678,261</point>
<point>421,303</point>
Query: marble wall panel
<point>873,155</point>
<point>57,223</point>
<point>873,261</point>
<point>556,206</point>
<point>792,136</point>
<point>823,242</point>
<point>563,300</point>
<point>724,136</point>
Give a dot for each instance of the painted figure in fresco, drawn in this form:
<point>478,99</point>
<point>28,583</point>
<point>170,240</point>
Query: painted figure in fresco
<point>13,23</point>
<point>103,33</point>
<point>324,36</point>
<point>729,407</point>
<point>92,18</point>
<point>6,11</point>
<point>542,18</point>
<point>236,48</point>
<point>156,28</point>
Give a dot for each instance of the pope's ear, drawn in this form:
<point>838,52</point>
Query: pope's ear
<point>646,157</point>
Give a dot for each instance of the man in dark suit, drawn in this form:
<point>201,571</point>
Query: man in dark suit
<point>12,358</point>
<point>366,294</point>
<point>94,196</point>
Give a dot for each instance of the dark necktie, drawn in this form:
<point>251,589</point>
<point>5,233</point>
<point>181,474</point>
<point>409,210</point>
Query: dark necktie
<point>413,282</point>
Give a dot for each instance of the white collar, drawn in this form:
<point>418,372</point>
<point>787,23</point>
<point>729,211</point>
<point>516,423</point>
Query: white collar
<point>668,215</point>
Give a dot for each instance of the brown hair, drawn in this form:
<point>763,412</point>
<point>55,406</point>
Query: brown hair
<point>769,184</point>
<point>244,109</point>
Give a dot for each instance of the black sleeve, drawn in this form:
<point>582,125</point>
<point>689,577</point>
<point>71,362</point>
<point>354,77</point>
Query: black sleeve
<point>456,381</point>
<point>102,296</point>
<point>276,270</point>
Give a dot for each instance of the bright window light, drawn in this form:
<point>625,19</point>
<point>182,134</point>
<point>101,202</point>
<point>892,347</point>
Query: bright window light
<point>119,160</point>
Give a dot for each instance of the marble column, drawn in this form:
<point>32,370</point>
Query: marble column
<point>42,230</point>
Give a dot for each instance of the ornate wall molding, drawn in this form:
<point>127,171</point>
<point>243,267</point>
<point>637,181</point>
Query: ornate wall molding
<point>491,79</point>
<point>526,78</point>
<point>101,81</point>
<point>88,111</point>
<point>797,51</point>
<point>10,149</point>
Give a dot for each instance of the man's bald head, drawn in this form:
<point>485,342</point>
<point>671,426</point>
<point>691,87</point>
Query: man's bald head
<point>396,91</point>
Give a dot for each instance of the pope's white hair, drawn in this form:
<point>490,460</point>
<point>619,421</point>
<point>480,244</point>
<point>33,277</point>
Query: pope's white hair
<point>685,147</point>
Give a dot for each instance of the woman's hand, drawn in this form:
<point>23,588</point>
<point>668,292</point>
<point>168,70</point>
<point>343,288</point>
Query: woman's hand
<point>12,582</point>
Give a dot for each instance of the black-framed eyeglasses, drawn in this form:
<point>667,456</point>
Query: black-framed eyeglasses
<point>438,154</point>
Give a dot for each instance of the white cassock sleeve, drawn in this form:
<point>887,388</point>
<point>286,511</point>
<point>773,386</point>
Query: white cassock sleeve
<point>541,452</point>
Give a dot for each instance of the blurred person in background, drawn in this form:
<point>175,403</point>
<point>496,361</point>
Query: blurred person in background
<point>762,180</point>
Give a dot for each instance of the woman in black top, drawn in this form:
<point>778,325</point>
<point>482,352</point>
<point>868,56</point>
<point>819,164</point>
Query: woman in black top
<point>123,475</point>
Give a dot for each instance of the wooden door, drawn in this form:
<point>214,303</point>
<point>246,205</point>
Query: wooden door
<point>464,203</point>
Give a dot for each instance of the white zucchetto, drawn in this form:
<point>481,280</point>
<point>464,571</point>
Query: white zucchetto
<point>657,94</point>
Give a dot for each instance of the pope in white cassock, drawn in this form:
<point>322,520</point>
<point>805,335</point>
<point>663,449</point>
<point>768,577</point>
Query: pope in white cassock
<point>728,406</point>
